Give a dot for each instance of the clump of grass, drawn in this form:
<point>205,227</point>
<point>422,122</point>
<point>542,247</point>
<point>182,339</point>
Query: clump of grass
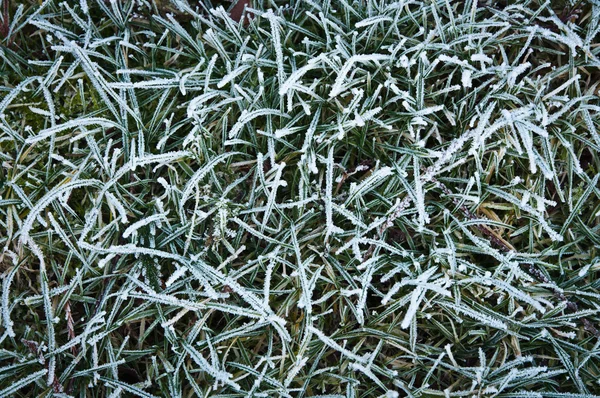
<point>336,198</point>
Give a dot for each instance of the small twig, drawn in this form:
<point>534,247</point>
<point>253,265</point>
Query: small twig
<point>498,242</point>
<point>70,326</point>
<point>5,23</point>
<point>363,166</point>
<point>571,14</point>
<point>34,348</point>
<point>587,325</point>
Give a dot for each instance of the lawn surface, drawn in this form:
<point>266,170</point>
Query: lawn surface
<point>339,198</point>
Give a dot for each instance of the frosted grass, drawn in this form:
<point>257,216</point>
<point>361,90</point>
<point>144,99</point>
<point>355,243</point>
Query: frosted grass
<point>334,198</point>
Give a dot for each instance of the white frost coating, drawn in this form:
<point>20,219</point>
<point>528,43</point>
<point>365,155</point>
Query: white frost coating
<point>220,375</point>
<point>277,182</point>
<point>246,117</point>
<point>293,79</point>
<point>198,175</point>
<point>18,384</point>
<point>232,75</point>
<point>478,316</point>
<point>112,200</point>
<point>143,222</point>
<point>394,151</point>
<point>562,87</point>
<point>583,271</point>
<point>514,74</point>
<point>482,59</point>
<point>276,37</point>
<point>373,21</point>
<point>331,228</point>
<point>6,321</point>
<point>369,183</point>
<point>47,199</point>
<point>454,60</point>
<point>331,343</point>
<point>420,196</point>
<point>338,86</point>
<point>45,133</point>
<point>466,78</point>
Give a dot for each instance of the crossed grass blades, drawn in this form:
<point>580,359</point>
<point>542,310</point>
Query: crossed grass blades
<point>336,198</point>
